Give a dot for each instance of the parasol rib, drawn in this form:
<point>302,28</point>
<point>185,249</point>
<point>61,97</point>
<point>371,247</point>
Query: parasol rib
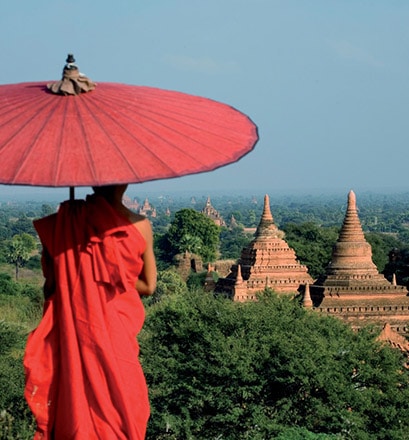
<point>146,148</point>
<point>198,117</point>
<point>154,120</point>
<point>29,147</point>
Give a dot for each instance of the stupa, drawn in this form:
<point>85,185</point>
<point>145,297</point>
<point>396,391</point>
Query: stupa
<point>352,287</point>
<point>267,262</point>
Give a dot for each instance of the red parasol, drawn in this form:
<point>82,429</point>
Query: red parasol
<point>115,133</point>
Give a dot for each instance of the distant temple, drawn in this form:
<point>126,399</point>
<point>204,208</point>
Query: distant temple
<point>146,209</point>
<point>210,212</point>
<point>187,263</point>
<point>352,288</point>
<point>129,203</point>
<point>267,262</point>
<point>233,222</point>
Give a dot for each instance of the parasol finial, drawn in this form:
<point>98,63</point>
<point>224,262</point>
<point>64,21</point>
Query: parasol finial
<point>73,82</point>
<point>70,58</point>
<point>70,63</point>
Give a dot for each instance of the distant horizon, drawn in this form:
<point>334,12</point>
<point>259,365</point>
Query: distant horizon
<point>48,194</point>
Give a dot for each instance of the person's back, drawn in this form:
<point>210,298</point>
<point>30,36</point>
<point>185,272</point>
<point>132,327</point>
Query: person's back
<point>84,379</point>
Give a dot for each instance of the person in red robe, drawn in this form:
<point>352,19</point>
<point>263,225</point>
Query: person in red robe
<point>83,376</point>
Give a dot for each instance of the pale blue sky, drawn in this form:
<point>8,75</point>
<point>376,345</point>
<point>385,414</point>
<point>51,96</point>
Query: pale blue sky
<point>327,82</point>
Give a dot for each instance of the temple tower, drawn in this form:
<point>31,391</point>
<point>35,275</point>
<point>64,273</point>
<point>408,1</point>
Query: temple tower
<point>352,287</point>
<point>211,212</point>
<point>146,209</point>
<point>351,263</point>
<point>267,261</point>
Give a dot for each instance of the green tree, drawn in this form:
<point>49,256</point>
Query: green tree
<point>219,369</point>
<point>16,421</point>
<point>46,209</point>
<point>196,280</point>
<point>19,250</point>
<point>23,225</point>
<point>312,244</point>
<point>192,230</point>
<point>8,286</point>
<point>381,245</point>
<point>232,241</point>
<point>168,282</point>
<point>190,243</point>
<point>304,434</point>
<point>398,264</point>
<point>252,218</point>
<point>162,251</point>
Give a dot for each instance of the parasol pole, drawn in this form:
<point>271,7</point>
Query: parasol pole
<point>72,193</point>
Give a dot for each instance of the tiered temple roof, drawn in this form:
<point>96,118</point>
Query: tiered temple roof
<point>351,263</point>
<point>352,287</point>
<point>211,212</point>
<point>267,262</point>
<point>146,209</point>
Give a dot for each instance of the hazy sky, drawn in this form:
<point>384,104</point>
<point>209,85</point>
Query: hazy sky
<point>327,82</point>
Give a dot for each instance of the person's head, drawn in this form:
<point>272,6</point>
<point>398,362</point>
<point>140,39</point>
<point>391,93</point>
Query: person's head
<point>111,192</point>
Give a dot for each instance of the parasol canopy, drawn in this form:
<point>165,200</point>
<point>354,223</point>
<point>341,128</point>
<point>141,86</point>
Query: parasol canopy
<point>113,133</point>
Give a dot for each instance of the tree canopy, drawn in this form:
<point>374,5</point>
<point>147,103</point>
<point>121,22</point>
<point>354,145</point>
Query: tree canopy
<point>381,245</point>
<point>232,242</point>
<point>218,369</point>
<point>193,232</point>
<point>19,250</point>
<point>312,244</point>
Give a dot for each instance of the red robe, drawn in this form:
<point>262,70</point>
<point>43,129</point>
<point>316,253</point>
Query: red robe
<point>83,376</point>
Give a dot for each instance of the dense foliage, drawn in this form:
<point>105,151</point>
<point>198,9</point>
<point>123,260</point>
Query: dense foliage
<point>232,241</point>
<point>16,421</point>
<point>223,370</point>
<point>398,264</point>
<point>169,282</point>
<point>20,309</point>
<point>312,244</point>
<point>382,245</point>
<point>193,232</point>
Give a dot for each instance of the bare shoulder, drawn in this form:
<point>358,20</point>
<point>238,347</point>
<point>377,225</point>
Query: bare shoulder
<point>142,224</point>
<point>136,218</point>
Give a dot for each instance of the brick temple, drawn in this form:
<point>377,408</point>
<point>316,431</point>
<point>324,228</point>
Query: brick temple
<point>267,262</point>
<point>211,212</point>
<point>352,288</point>
<point>145,209</point>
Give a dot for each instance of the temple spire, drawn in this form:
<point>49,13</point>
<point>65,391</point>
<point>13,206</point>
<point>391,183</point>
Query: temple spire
<point>306,301</point>
<point>351,263</point>
<point>351,229</point>
<point>239,278</point>
<point>267,261</point>
<point>266,216</point>
<point>266,228</point>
